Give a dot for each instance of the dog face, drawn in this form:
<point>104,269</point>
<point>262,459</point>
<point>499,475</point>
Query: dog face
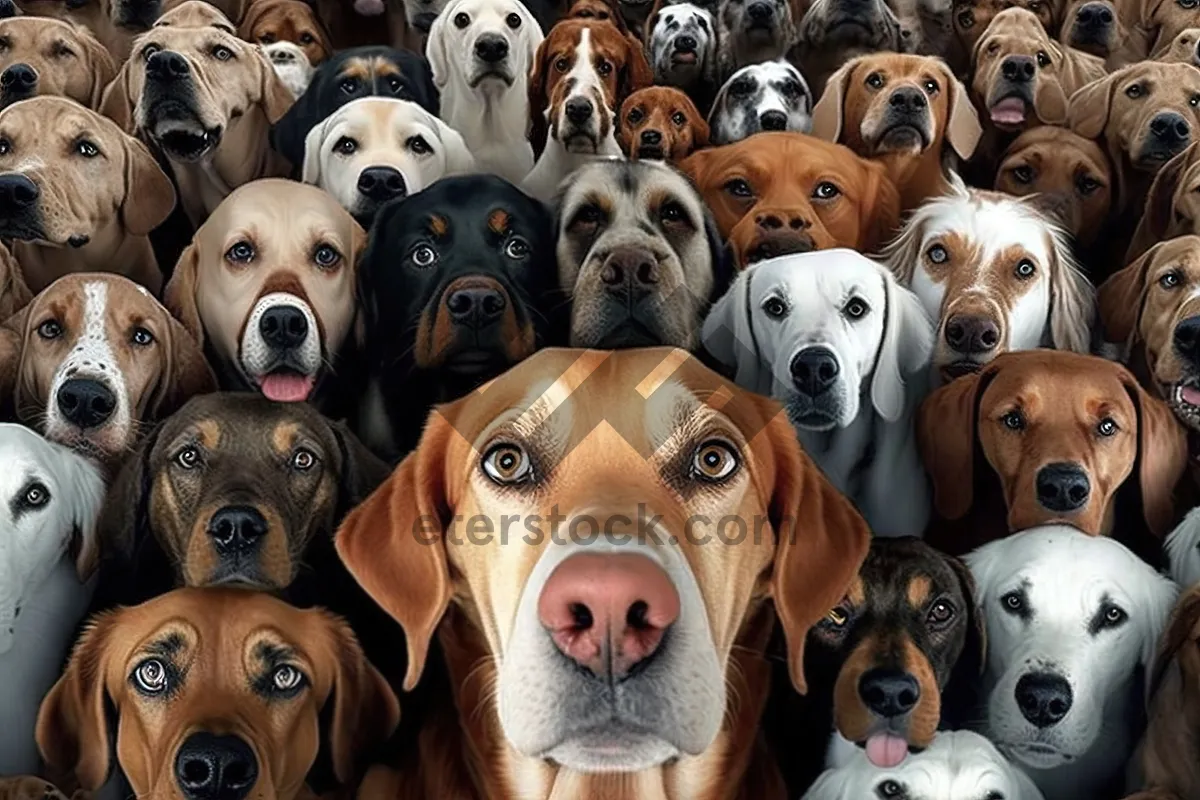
<point>1094,26</point>
<point>996,274</point>
<point>972,17</point>
<point>1062,432</point>
<point>633,705</point>
<point>291,65</point>
<point>271,21</point>
<point>638,256</point>
<point>217,691</point>
<point>46,56</point>
<point>682,42</point>
<point>843,25</point>
<point>660,123</point>
<point>268,284</point>
<point>772,96</point>
<point>1057,162</point>
<point>779,193</point>
<point>484,46</point>
<point>755,29</point>
<point>375,149</point>
<point>1069,619</point>
<point>1183,49</point>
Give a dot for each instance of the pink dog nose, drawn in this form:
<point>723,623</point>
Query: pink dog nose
<point>608,612</point>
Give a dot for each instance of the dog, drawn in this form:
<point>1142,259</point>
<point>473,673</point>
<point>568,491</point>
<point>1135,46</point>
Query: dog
<point>1182,548</point>
<point>1105,29</point>
<point>194,14</point>
<point>660,123</point>
<point>582,72</point>
<point>52,498</point>
<point>1170,210</point>
<point>206,99</point>
<point>1047,436</point>
<point>751,32</point>
<point>267,286</point>
<point>1073,622</point>
<point>27,787</point>
<point>972,17</point>
<point>845,349</point>
<point>14,293</point>
<point>681,40</point>
<point>481,52</point>
<point>908,112</point>
<point>599,10</point>
<point>780,193</point>
<point>1183,49</point>
<point>375,149</point>
<point>291,65</point>
<point>270,21</point>
<point>78,194</point>
<point>831,32</point>
<point>94,361</point>
<point>602,708</point>
<point>638,255</point>
<point>1163,21</point>
<point>996,274</point>
<point>772,96</point>
<point>48,56</point>
<point>215,692</point>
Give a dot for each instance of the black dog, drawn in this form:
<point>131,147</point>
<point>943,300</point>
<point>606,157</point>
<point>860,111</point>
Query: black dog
<point>455,287</point>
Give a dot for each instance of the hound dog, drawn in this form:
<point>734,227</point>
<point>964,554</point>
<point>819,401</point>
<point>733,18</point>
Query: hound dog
<point>291,65</point>
<point>1105,29</point>
<point>1184,49</point>
<point>909,112</point>
<point>681,40</point>
<point>623,666</point>
<point>270,21</point>
<point>972,17</point>
<point>207,100</point>
<point>14,294</point>
<point>49,56</point>
<point>582,73</point>
<point>752,31</point>
<point>481,52</point>
<point>1162,21</point>
<point>780,193</point>
<point>846,350</point>
<point>1047,436</point>
<point>1170,209</point>
<point>660,123</point>
<point>599,10</point>
<point>772,96</point>
<point>94,360</point>
<point>78,194</point>
<point>48,551</point>
<point>996,274</point>
<point>215,693</point>
<point>115,22</point>
<point>1073,622</point>
<point>375,149</point>
<point>267,285</point>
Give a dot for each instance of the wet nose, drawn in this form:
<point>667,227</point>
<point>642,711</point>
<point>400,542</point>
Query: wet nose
<point>491,49</point>
<point>1018,69</point>
<point>686,44</point>
<point>476,306</point>
<point>889,692</point>
<point>651,137</point>
<point>760,12</point>
<point>283,327</point>
<point>773,121</point>
<point>1044,698</point>
<point>381,183</point>
<point>630,273</point>
<point>167,65</point>
<point>1187,340</point>
<point>1094,16</point>
<point>608,613</point>
<point>212,767</point>
<point>814,370</point>
<point>86,403</point>
<point>19,79</point>
<point>17,193</point>
<point>972,335</point>
<point>1170,128</point>
<point>908,100</point>
<point>237,530</point>
<point>1062,487</point>
<point>579,110</point>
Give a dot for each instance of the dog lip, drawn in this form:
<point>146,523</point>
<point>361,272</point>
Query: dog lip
<point>650,152</point>
<point>956,369</point>
<point>684,57</point>
<point>491,72</point>
<point>474,362</point>
<point>902,126</point>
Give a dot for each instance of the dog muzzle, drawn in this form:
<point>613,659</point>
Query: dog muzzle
<point>281,348</point>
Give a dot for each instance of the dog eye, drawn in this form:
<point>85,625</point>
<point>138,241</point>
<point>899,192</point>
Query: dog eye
<point>1087,185</point>
<point>856,308</point>
<point>424,256</point>
<point>562,65</point>
<point>188,457</point>
<point>1025,269</point>
<point>1186,3</point>
<point>507,464</point>
<point>875,80</point>
<point>395,85</point>
<point>890,790</point>
<point>1043,59</point>
<point>943,612</point>
<point>306,38</point>
<point>1194,100</point>
<point>1023,174</point>
<point>703,24</point>
<point>35,495</point>
<point>50,329</point>
<point>1134,91</point>
<point>775,307</point>
<point>738,187</point>
<point>993,48</point>
<point>672,213</point>
<point>5,147</point>
<point>1013,603</point>
<point>418,145</point>
<point>303,459</point>
<point>826,191</point>
<point>461,20</point>
<point>837,617</point>
<point>513,21</point>
<point>1014,420</point>
<point>679,119</point>
<point>1107,427</point>
<point>345,146</point>
<point>142,337</point>
<point>635,116</point>
<point>1169,281</point>
<point>222,53</point>
<point>267,38</point>
<point>790,89</point>
<point>994,795</point>
<point>326,256</point>
<point>87,149</point>
<point>966,19</point>
<point>62,51</point>
<point>350,85</point>
<point>714,462</point>
<point>605,68</point>
<point>149,50</point>
<point>932,87</point>
<point>287,679</point>
<point>1112,616</point>
<point>516,248</point>
<point>742,86</point>
<point>150,676</point>
<point>589,215</point>
<point>938,254</point>
<point>241,253</point>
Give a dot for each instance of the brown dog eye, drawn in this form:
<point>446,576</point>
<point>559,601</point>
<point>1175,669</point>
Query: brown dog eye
<point>222,53</point>
<point>87,149</point>
<point>50,329</point>
<point>5,147</point>
<point>345,146</point>
<point>1169,281</point>
<point>241,253</point>
<point>943,612</point>
<point>326,256</point>
<point>267,38</point>
<point>507,464</point>
<point>1023,174</point>
<point>826,191</point>
<point>1087,185</point>
<point>932,87</point>
<point>738,187</point>
<point>966,19</point>
<point>1107,427</point>
<point>679,119</point>
<point>418,145</point>
<point>306,38</point>
<point>604,68</point>
<point>889,789</point>
<point>1134,92</point>
<point>1043,59</point>
<point>1014,420</point>
<point>562,65</point>
<point>635,116</point>
<point>875,80</point>
<point>303,460</point>
<point>714,462</point>
<point>672,213</point>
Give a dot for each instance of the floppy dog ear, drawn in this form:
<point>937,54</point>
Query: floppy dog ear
<point>637,73</point>
<point>125,517</point>
<point>361,470</point>
<point>829,110</point>
<point>149,193</point>
<point>1072,300</point>
<point>121,95</point>
<point>14,293</point>
<point>185,374</point>
<point>459,160</point>
<point>1121,298</point>
<point>1161,458</point>
<point>12,354</point>
<point>179,296</point>
<point>728,336</point>
<point>435,51</point>
<point>99,63</point>
<point>1088,110</point>
<point>1160,203</point>
<point>963,130</point>
<point>1180,630</point>
<point>84,504</point>
<point>274,96</point>
<point>973,660</point>
<point>311,171</point>
<point>904,351</point>
<point>946,433</point>
<point>1050,100</point>
<point>539,102</point>
<point>880,211</point>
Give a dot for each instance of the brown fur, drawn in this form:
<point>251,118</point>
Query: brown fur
<point>270,21</point>
<point>666,111</point>
<point>68,59</point>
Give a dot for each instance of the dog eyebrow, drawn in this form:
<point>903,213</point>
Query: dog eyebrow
<point>167,647</point>
<point>274,654</point>
<point>439,226</point>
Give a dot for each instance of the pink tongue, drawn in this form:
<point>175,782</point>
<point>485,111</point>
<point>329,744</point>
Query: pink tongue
<point>1009,111</point>
<point>1190,395</point>
<point>886,751</point>
<point>287,387</point>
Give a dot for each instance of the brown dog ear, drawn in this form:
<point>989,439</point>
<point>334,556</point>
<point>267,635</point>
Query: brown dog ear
<point>12,351</point>
<point>149,193</point>
<point>179,296</point>
<point>185,372</point>
<point>121,96</point>
<point>974,654</point>
<point>99,63</point>
<point>700,129</point>
<point>1088,109</point>
<point>539,101</point>
<point>1160,202</point>
<point>1181,629</point>
<point>1161,460</point>
<point>14,293</point>
<point>946,434</point>
<point>828,112</point>
<point>880,210</point>
<point>637,73</point>
<point>963,130</point>
<point>1121,297</point>
<point>1050,100</point>
<point>392,544</point>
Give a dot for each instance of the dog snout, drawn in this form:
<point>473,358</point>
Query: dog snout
<point>17,193</point>
<point>1170,129</point>
<point>237,530</point>
<point>1094,17</point>
<point>971,335</point>
<point>283,327</point>
<point>282,56</point>
<point>1063,487</point>
<point>210,767</point>
<point>167,65</point>
<point>773,121</point>
<point>908,100</point>
<point>1044,698</point>
<point>19,79</point>
<point>1018,69</point>
<point>814,370</point>
<point>608,613</point>
<point>651,137</point>
<point>381,184</point>
<point>86,403</point>
<point>630,273</point>
<point>1187,340</point>
<point>760,12</point>
<point>476,306</point>
<point>889,692</point>
<point>491,48</point>
<point>686,44</point>
<point>579,110</point>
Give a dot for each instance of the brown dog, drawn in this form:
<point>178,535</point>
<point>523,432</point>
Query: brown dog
<point>1059,434</point>
<point>777,193</point>
<point>1105,29</point>
<point>1183,49</point>
<point>652,677</point>
<point>216,693</point>
<point>14,293</point>
<point>660,123</point>
<point>1172,204</point>
<point>195,14</point>
<point>27,787</point>
<point>972,17</point>
<point>907,112</point>
<point>270,21</point>
<point>599,10</point>
<point>49,56</point>
<point>1163,20</point>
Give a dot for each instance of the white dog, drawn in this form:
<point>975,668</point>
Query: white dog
<point>49,500</point>
<point>375,149</point>
<point>1183,551</point>
<point>846,349</point>
<point>959,765</point>
<point>1070,618</point>
<point>771,96</point>
<point>291,65</point>
<point>481,52</point>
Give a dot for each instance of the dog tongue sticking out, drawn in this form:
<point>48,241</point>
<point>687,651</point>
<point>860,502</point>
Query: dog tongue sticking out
<point>1009,111</point>
<point>287,387</point>
<point>886,751</point>
<point>1190,395</point>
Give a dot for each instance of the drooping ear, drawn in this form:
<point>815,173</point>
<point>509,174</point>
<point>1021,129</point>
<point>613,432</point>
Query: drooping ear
<point>149,193</point>
<point>1181,629</point>
<point>700,130</point>
<point>392,544</point>
<point>99,63</point>
<point>1050,100</point>
<point>361,471</point>
<point>1158,596</point>
<point>880,209</point>
<point>1160,203</point>
<point>946,433</point>
<point>637,74</point>
<point>829,110</point>
<point>274,96</point>
<point>125,517</point>
<point>1161,459</point>
<point>539,102</point>
<point>974,655</point>
<point>1072,300</point>
<point>185,372</point>
<point>1121,298</point>
<point>83,506</point>
<point>435,50</point>
<point>311,171</point>
<point>1088,110</point>
<point>459,160</point>
<point>14,292</point>
<point>122,95</point>
<point>904,351</point>
<point>180,294</point>
<point>728,336</point>
<point>962,129</point>
<point>12,354</point>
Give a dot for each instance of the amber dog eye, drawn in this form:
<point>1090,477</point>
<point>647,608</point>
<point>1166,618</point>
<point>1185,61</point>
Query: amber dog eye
<point>714,462</point>
<point>150,676</point>
<point>678,118</point>
<point>507,465</point>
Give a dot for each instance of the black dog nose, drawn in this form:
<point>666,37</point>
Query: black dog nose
<point>579,110</point>
<point>85,403</point>
<point>17,193</point>
<point>1044,698</point>
<point>651,137</point>
<point>19,79</point>
<point>212,767</point>
<point>1187,340</point>
<point>1094,16</point>
<point>889,692</point>
<point>476,306</point>
<point>686,44</point>
<point>1062,487</point>
<point>972,335</point>
<point>814,370</point>
<point>773,121</point>
<point>167,65</point>
<point>1170,128</point>
<point>283,327</point>
<point>908,99</point>
<point>630,273</point>
<point>1018,69</point>
<point>760,11</point>
<point>491,48</point>
<point>381,183</point>
<point>237,529</point>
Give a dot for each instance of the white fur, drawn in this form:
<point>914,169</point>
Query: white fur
<point>737,115</point>
<point>1183,551</point>
<point>290,64</point>
<point>258,358</point>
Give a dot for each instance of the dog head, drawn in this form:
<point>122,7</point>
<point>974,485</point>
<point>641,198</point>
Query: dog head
<point>39,56</point>
<point>194,14</point>
<point>291,65</point>
<point>682,42</point>
<point>840,25</point>
<point>660,123</point>
<point>755,30</point>
<point>271,21</point>
<point>1094,26</point>
<point>1183,49</point>
<point>972,17</point>
<point>487,46</point>
<point>772,96</point>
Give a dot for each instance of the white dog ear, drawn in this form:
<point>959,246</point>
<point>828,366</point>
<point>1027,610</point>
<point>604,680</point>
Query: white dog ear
<point>1072,300</point>
<point>459,160</point>
<point>1157,603</point>
<point>311,173</point>
<point>85,498</point>
<point>435,51</point>
<point>728,334</point>
<point>1183,557</point>
<point>905,350</point>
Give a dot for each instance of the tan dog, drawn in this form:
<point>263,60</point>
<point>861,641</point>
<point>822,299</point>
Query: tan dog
<point>78,194</point>
<point>660,123</point>
<point>195,14</point>
<point>1172,204</point>
<point>48,56</point>
<point>1107,29</point>
<point>1183,49</point>
<point>1163,20</point>
<point>217,693</point>
<point>630,667</point>
<point>270,21</point>
<point>14,293</point>
<point>907,112</point>
<point>972,17</point>
<point>207,99</point>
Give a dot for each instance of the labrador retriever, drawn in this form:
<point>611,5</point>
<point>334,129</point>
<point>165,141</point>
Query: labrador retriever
<point>40,56</point>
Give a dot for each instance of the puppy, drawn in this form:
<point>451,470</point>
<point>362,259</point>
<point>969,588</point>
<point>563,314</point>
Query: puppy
<point>996,274</point>
<point>1105,29</point>
<point>94,361</point>
<point>1183,49</point>
<point>291,65</point>
<point>48,56</point>
<point>660,123</point>
<point>908,112</point>
<point>78,194</point>
<point>1171,208</point>
<point>481,52</point>
<point>751,32</point>
<point>267,285</point>
<point>681,40</point>
<point>270,21</point>
<point>845,349</point>
<point>772,96</point>
<point>780,193</point>
<point>1070,620</point>
<point>48,551</point>
<point>215,693</point>
<point>376,149</point>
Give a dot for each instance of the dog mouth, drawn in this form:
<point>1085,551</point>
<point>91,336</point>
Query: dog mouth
<point>632,332</point>
<point>885,750</point>
<point>651,152</point>
<point>1009,112</point>
<point>956,369</point>
<point>23,229</point>
<point>492,73</point>
<point>1184,400</point>
<point>580,142</point>
<point>474,362</point>
<point>903,136</point>
<point>771,246</point>
<point>184,138</point>
<point>1035,754</point>
<point>684,57</point>
<point>286,385</point>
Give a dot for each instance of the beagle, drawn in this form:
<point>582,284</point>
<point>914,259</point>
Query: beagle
<point>660,123</point>
<point>40,56</point>
<point>270,21</point>
<point>1172,206</point>
<point>602,663</point>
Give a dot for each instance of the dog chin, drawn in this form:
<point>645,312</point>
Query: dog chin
<point>956,369</point>
<point>1184,400</point>
<point>99,445</point>
<point>1035,754</point>
<point>1151,158</point>
<point>806,414</point>
<point>487,78</point>
<point>581,142</point>
<point>185,139</point>
<point>902,138</point>
<point>612,750</point>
